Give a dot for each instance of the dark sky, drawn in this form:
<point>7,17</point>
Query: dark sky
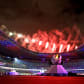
<point>31,15</point>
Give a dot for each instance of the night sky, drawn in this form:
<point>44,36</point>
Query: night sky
<point>28,16</point>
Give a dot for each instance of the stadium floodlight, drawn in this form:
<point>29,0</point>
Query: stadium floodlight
<point>15,59</point>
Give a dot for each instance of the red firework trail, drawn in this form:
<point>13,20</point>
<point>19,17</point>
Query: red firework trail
<point>54,41</point>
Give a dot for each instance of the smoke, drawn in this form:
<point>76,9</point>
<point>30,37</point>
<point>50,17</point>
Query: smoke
<point>54,41</point>
<point>32,15</point>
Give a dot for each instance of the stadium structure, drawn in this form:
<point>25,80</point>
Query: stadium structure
<point>8,47</point>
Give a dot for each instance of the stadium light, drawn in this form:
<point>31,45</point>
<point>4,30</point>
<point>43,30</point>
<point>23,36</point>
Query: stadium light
<point>42,70</point>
